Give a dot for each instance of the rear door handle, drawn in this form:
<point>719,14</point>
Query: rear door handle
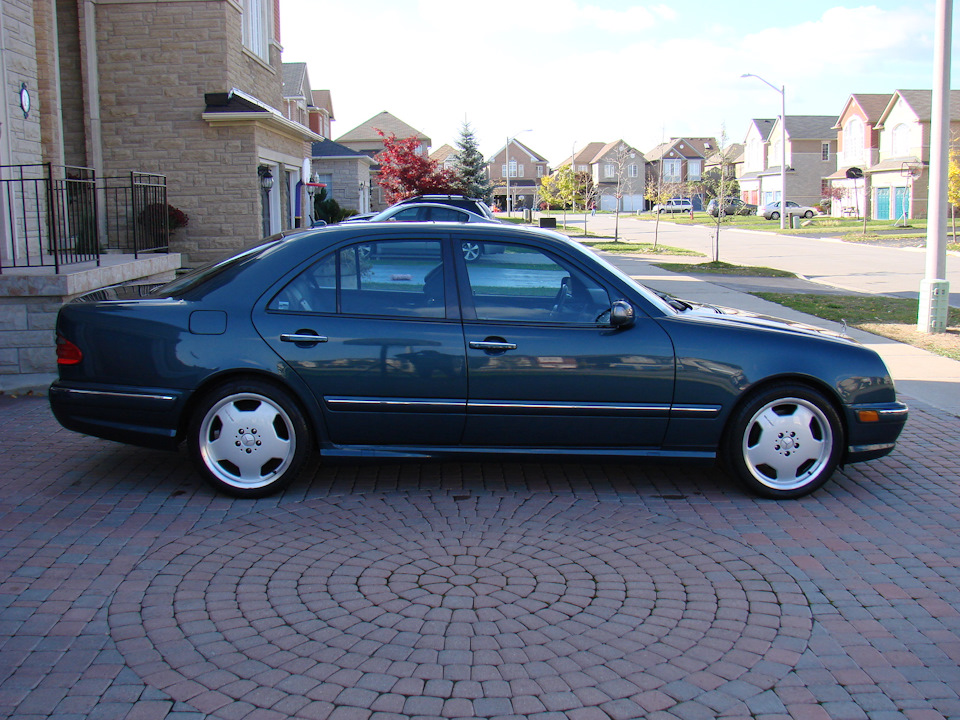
<point>492,346</point>
<point>302,338</point>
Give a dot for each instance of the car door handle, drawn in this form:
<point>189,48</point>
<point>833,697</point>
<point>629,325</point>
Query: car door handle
<point>299,337</point>
<point>492,346</point>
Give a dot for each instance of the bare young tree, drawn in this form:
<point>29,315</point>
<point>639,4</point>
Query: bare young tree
<point>622,159</point>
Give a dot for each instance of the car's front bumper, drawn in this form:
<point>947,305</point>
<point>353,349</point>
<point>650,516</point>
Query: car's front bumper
<point>873,429</point>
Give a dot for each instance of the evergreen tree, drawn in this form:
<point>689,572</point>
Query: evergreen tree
<point>471,167</point>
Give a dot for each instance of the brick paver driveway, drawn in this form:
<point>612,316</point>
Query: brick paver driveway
<point>495,590</point>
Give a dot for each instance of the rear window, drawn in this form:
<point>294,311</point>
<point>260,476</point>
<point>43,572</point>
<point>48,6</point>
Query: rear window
<point>205,273</point>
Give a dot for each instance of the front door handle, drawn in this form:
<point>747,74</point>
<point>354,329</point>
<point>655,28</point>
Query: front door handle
<point>492,345</point>
<point>302,338</point>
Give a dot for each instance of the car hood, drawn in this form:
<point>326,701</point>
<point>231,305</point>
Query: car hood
<point>745,318</point>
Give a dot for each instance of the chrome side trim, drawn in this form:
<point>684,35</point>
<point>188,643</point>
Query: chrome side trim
<point>362,404</point>
<point>515,407</point>
<point>695,411</point>
<point>115,394</point>
<point>568,408</point>
<point>870,448</point>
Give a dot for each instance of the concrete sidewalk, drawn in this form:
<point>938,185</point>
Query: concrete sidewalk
<point>930,378</point>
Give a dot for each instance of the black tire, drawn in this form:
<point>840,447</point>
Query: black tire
<point>808,214</point>
<point>774,216</point>
<point>784,442</point>
<point>248,438</point>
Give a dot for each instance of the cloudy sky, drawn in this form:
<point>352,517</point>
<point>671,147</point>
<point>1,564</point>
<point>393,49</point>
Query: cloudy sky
<point>563,73</point>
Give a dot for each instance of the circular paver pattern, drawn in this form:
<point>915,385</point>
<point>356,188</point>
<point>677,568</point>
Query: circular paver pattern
<point>455,606</point>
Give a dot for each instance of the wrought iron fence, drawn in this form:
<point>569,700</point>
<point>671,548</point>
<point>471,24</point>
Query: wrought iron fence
<point>54,216</point>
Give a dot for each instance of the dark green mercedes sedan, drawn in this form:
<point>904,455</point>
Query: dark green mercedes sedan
<point>382,339</point>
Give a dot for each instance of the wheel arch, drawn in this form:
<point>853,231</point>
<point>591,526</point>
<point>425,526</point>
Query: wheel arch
<point>310,411</point>
<point>794,379</point>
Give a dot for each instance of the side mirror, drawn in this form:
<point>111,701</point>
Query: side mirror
<point>622,314</point>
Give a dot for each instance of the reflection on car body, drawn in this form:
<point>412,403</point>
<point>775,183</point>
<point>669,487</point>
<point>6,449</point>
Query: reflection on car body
<point>326,340</point>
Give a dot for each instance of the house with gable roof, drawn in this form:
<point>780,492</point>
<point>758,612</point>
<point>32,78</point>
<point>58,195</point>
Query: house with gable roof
<point>858,148</point>
<point>524,167</point>
<point>445,156</point>
<point>756,143</point>
<point>680,160</point>
<point>614,167</point>
<point>365,139</point>
<point>811,147</point>
<point>344,173</point>
<point>900,178</point>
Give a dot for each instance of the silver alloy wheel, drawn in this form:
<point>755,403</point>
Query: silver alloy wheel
<point>471,250</point>
<point>787,443</point>
<point>247,440</point>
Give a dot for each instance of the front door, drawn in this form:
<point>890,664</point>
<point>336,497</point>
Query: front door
<point>900,203</point>
<point>883,203</point>
<point>374,330</point>
<point>545,368</point>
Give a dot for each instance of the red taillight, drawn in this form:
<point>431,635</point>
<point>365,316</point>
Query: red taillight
<point>67,352</point>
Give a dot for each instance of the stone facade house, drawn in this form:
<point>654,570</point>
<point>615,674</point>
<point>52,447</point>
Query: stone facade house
<point>345,174</point>
<point>524,168</point>
<point>177,101</point>
<point>445,156</point>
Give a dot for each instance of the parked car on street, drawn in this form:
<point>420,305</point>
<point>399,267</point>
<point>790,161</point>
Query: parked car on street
<point>323,339</point>
<point>429,212</point>
<point>674,205</point>
<point>772,211</point>
<point>474,205</point>
<point>731,206</point>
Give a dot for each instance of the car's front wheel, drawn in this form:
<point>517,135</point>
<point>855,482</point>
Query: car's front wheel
<point>774,216</point>
<point>808,214</point>
<point>248,438</point>
<point>784,442</point>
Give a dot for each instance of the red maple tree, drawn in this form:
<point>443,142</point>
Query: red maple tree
<point>405,172</point>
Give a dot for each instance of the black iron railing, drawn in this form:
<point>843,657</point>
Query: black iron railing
<point>55,216</point>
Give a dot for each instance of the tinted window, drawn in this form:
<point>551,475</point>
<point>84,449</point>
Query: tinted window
<point>513,282</point>
<point>384,278</point>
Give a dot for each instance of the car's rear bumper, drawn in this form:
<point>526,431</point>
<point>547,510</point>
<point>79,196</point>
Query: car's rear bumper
<point>873,429</point>
<point>139,416</point>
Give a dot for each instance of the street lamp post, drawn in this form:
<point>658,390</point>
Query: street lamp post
<point>508,205</point>
<point>783,145</point>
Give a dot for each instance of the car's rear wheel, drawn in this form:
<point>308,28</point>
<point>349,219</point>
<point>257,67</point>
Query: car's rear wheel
<point>248,438</point>
<point>784,442</point>
<point>774,216</point>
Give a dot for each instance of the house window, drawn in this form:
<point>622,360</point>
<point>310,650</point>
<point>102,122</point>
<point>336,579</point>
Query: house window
<point>256,27</point>
<point>901,140</point>
<point>609,170</point>
<point>513,168</point>
<point>582,168</point>
<point>632,170</point>
<point>694,169</point>
<point>539,170</point>
<point>671,171</point>
<point>825,151</point>
<point>519,170</point>
<point>503,170</point>
<point>853,146</point>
